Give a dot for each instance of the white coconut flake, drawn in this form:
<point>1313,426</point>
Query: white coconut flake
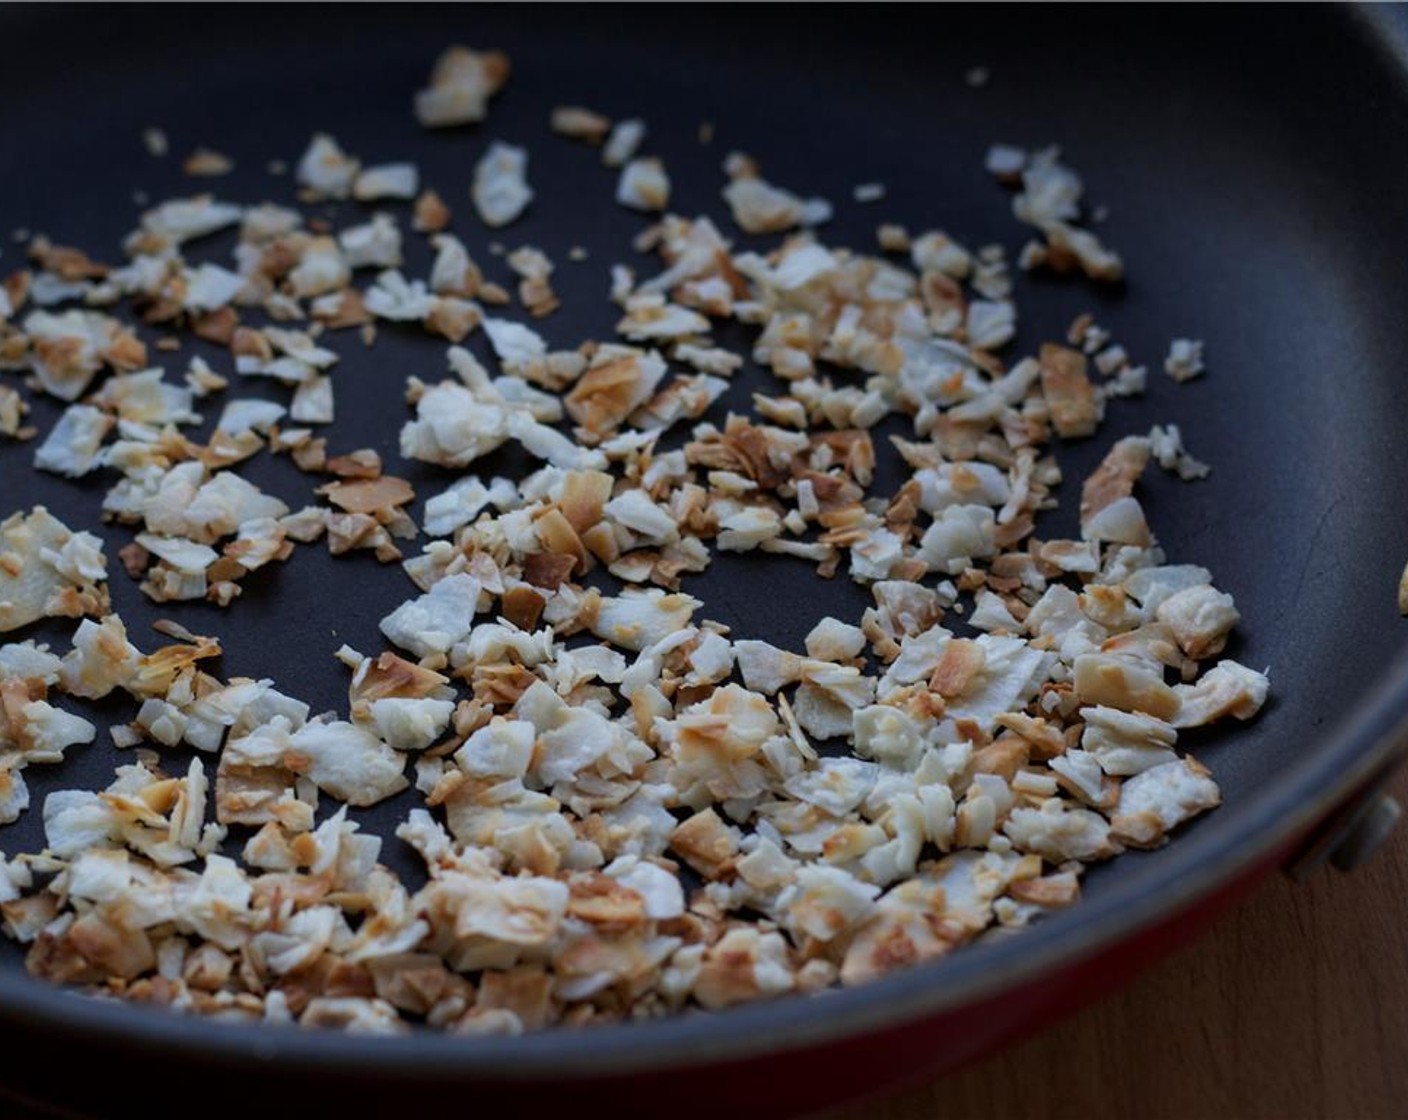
<point>461,84</point>
<point>326,169</point>
<point>644,185</point>
<point>72,448</point>
<point>1185,359</point>
<point>375,244</point>
<point>501,192</point>
<point>435,621</point>
<point>351,764</point>
<point>250,415</point>
<point>623,143</point>
<point>387,180</point>
<point>760,207</point>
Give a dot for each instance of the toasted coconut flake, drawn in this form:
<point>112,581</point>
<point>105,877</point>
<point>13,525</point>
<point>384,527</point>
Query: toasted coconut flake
<point>410,724</point>
<point>48,570</point>
<point>375,244</point>
<point>1059,833</point>
<point>624,141</point>
<point>1126,683</point>
<point>1185,359</point>
<point>179,220</point>
<point>320,270</point>
<point>1115,478</point>
<point>250,416</point>
<point>1075,408</point>
<point>1050,201</point>
<point>369,495</point>
<point>644,185</point>
<point>68,349</point>
<point>72,447</point>
<point>207,163</point>
<point>1166,445</point>
<point>313,402</point>
<point>13,410</point>
<point>145,398</point>
<point>1200,619</point>
<point>637,619</point>
<point>387,180</point>
<point>326,169</point>
<point>453,428</point>
<point>430,214</point>
<point>650,318</point>
<point>1226,689</point>
<point>1160,799</point>
<point>461,84</point>
<point>438,619</point>
<point>346,761</point>
<point>618,382</point>
<point>154,140</point>
<point>534,289</point>
<point>744,965</point>
<point>579,124</point>
<point>759,207</point>
<point>500,190</point>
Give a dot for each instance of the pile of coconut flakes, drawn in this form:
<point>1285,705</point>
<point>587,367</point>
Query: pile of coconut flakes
<point>642,823</point>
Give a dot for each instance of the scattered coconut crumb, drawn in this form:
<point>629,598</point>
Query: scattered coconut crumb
<point>534,290</point>
<point>621,146</point>
<point>760,207</point>
<point>430,214</point>
<point>154,140</point>
<point>579,124</point>
<point>388,180</point>
<point>1050,200</point>
<point>1185,359</point>
<point>461,85</point>
<point>207,163</point>
<point>644,185</point>
<point>501,192</point>
<point>893,238</point>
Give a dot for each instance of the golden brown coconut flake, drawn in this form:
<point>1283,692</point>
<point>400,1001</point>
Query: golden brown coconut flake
<point>206,163</point>
<point>461,85</point>
<point>578,123</point>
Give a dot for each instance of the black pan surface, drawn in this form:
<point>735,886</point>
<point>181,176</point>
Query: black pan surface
<point>1251,160</point>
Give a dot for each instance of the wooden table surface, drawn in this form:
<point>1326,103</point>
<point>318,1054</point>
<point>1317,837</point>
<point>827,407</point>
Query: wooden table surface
<point>1296,1005</point>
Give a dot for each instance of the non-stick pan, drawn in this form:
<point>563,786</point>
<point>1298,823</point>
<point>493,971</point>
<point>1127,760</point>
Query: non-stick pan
<point>1253,164</point>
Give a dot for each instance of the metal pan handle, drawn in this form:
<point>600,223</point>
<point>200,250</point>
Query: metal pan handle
<point>1352,834</point>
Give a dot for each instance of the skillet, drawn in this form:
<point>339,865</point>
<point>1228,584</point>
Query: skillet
<point>1250,160</point>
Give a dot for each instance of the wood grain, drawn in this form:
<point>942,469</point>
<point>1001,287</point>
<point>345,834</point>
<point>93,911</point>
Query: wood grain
<point>1295,1006</point>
